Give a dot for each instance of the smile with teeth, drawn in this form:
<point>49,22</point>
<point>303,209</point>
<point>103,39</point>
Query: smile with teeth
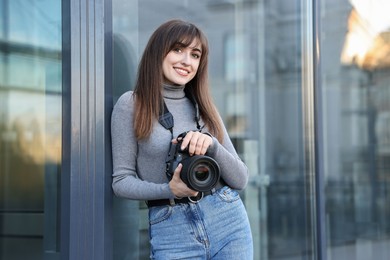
<point>182,71</point>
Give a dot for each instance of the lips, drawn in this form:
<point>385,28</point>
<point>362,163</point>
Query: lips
<point>182,71</point>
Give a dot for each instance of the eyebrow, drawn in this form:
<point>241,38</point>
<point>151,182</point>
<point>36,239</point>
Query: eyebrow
<point>185,46</point>
<point>196,49</point>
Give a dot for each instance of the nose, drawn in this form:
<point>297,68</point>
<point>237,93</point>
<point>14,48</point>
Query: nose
<point>186,59</point>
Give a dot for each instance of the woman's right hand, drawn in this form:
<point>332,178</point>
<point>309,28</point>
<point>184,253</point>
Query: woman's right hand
<point>178,187</point>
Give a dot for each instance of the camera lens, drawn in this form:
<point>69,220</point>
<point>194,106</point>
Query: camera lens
<point>200,173</point>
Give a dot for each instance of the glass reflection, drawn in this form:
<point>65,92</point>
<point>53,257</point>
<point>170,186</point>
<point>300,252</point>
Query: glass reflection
<point>355,96</point>
<point>30,128</point>
<point>367,43</point>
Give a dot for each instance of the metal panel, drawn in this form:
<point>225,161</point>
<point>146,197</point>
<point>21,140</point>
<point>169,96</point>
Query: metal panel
<point>87,104</point>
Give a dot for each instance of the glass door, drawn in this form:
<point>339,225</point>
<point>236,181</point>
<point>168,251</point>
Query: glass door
<point>30,128</point>
<point>355,100</point>
<point>256,79</point>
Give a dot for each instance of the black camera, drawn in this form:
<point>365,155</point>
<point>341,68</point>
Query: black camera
<point>199,172</point>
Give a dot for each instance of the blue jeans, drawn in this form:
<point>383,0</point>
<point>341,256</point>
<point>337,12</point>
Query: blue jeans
<point>217,227</point>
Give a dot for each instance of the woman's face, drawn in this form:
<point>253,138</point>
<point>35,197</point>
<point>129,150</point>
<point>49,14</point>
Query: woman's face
<point>181,63</point>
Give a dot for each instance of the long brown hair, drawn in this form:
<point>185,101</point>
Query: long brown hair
<point>148,88</point>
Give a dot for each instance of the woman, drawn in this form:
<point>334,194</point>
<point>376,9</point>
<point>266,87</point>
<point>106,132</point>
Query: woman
<point>171,90</point>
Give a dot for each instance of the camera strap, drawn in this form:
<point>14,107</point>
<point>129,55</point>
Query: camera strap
<point>166,118</point>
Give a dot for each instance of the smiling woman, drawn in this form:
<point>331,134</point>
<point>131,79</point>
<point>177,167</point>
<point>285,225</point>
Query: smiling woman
<point>140,157</point>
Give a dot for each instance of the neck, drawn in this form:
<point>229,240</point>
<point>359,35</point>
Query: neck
<point>173,91</point>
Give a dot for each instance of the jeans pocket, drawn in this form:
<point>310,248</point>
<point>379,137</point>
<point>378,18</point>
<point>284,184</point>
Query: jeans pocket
<point>159,214</point>
<point>227,194</point>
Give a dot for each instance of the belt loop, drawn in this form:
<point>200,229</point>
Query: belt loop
<point>172,202</point>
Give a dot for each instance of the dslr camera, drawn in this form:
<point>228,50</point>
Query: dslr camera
<point>199,172</point>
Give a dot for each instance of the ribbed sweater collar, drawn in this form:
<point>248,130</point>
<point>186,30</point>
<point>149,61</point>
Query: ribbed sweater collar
<point>173,91</point>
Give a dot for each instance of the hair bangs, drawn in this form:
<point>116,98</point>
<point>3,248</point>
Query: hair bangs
<point>184,34</point>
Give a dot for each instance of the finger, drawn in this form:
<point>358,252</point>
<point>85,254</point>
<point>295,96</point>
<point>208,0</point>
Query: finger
<point>203,143</point>
<point>204,148</point>
<point>186,140</point>
<point>193,145</point>
<point>178,187</point>
<point>200,147</point>
<point>207,141</point>
<point>193,193</point>
<point>176,173</point>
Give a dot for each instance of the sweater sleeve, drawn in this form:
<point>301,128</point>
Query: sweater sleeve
<point>233,170</point>
<point>126,182</point>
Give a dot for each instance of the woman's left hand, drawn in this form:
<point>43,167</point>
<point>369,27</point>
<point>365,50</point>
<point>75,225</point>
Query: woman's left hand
<point>196,142</point>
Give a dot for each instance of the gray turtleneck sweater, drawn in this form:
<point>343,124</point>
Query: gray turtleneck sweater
<point>139,165</point>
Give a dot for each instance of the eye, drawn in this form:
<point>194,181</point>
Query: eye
<point>196,55</point>
<point>177,49</point>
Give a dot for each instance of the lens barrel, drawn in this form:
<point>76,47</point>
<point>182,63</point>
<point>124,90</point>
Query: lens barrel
<point>200,172</point>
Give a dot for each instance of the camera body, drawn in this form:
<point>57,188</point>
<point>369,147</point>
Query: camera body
<point>200,172</point>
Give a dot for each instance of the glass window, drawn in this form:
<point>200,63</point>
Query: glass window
<point>255,74</point>
<point>30,128</point>
<point>355,97</point>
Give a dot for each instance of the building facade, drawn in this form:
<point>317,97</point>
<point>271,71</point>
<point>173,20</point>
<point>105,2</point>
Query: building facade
<point>302,86</point>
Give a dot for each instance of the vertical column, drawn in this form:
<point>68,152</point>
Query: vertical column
<point>263,174</point>
<point>312,137</point>
<point>86,179</point>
